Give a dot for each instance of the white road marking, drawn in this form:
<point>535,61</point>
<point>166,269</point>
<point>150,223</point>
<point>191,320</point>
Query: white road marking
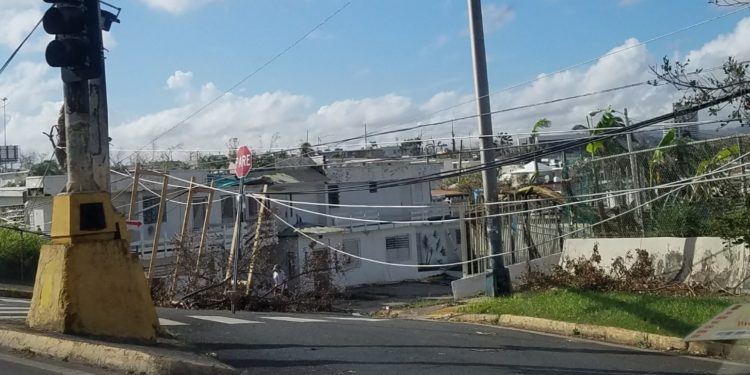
<point>14,312</point>
<point>41,366</point>
<point>167,322</point>
<point>222,319</point>
<point>15,300</point>
<point>291,319</point>
<point>354,318</point>
<point>13,308</point>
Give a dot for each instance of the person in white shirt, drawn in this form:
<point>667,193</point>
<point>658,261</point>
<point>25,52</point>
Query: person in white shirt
<point>279,281</point>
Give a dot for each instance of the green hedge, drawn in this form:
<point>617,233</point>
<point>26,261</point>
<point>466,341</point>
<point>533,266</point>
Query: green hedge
<point>19,254</point>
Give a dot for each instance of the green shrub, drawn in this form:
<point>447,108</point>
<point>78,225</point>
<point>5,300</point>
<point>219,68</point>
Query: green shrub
<point>19,254</point>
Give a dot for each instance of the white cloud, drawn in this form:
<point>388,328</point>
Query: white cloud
<point>35,94</point>
<point>109,40</point>
<point>180,80</point>
<point>496,16</point>
<point>17,18</point>
<point>733,44</point>
<point>176,6</point>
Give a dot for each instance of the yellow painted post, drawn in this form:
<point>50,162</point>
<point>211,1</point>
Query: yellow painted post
<point>256,243</point>
<point>134,192</point>
<point>183,233</point>
<point>157,230</point>
<point>206,222</point>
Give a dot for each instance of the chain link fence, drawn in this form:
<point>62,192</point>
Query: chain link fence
<point>637,197</point>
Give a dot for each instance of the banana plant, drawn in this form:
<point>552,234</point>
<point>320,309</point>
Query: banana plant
<point>657,158</point>
<point>607,121</point>
<point>722,157</point>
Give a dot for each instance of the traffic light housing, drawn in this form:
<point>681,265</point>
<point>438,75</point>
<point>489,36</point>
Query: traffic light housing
<point>77,48</point>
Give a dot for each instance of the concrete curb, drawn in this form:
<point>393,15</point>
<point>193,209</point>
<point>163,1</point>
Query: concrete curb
<point>601,333</point>
<point>124,358</point>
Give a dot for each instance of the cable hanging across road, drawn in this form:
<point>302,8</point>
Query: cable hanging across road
<point>245,78</point>
<point>557,238</point>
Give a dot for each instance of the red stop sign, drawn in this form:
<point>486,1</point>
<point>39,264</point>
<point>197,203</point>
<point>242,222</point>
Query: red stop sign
<point>244,162</point>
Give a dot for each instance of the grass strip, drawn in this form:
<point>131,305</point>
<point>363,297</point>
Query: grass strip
<point>665,315</point>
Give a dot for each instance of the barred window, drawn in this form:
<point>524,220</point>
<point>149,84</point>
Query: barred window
<point>397,248</point>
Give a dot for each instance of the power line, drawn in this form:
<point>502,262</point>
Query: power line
<point>15,52</point>
<point>300,232</point>
<point>589,61</point>
<point>245,78</point>
<point>563,146</point>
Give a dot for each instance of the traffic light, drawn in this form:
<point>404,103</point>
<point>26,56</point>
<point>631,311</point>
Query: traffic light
<point>77,47</point>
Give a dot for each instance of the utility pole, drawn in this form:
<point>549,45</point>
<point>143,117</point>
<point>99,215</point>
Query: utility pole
<point>453,138</point>
<point>635,176</point>
<point>87,277</point>
<point>460,159</point>
<point>498,278</point>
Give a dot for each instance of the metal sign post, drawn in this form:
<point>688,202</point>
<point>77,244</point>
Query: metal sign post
<point>243,164</point>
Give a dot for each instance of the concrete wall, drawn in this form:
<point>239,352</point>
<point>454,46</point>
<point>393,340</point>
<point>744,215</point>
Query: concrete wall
<point>697,259</point>
<point>475,284</point>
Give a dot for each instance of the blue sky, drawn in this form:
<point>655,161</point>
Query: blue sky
<point>380,62</point>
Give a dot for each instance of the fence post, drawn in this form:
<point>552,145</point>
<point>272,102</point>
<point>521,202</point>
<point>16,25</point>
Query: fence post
<point>634,176</point>
<point>157,230</point>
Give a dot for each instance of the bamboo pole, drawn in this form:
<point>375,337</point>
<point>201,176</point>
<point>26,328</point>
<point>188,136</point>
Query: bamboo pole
<point>183,234</point>
<point>233,245</point>
<point>257,242</point>
<point>134,191</point>
<point>206,222</point>
<point>157,230</point>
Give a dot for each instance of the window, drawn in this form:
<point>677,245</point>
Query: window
<point>397,248</point>
<point>351,246</point>
<point>150,207</point>
<point>333,194</point>
<point>227,209</point>
<point>458,236</point>
<point>373,187</point>
<point>199,211</point>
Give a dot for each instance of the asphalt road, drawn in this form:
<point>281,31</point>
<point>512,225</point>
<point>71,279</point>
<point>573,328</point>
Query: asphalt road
<point>268,343</point>
<point>19,364</point>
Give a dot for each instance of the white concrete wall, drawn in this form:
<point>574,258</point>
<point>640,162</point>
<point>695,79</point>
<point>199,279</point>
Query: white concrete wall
<point>701,259</point>
<point>475,284</point>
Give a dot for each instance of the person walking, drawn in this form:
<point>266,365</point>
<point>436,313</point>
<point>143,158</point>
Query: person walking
<point>279,281</point>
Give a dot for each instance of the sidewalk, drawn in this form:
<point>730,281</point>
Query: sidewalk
<point>167,357</point>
